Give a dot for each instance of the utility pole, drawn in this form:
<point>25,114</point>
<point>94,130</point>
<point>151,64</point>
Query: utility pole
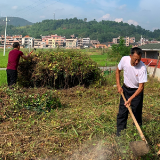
<point>5,37</point>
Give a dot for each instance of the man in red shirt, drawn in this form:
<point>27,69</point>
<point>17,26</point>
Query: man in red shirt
<point>13,60</point>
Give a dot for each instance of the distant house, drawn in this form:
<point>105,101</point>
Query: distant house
<point>10,40</point>
<point>151,50</point>
<point>86,41</point>
<point>135,44</point>
<point>108,44</point>
<point>27,41</point>
<point>101,46</point>
<point>53,41</point>
<point>71,43</point>
<point>94,42</point>
<point>127,40</point>
<point>150,54</point>
<point>39,44</point>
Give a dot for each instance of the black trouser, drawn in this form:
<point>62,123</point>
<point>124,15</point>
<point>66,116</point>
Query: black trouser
<point>136,106</point>
<point>11,76</point>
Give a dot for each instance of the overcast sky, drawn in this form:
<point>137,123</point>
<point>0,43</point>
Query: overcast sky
<point>137,12</point>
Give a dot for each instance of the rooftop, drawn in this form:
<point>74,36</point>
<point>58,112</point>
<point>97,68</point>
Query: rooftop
<point>151,46</point>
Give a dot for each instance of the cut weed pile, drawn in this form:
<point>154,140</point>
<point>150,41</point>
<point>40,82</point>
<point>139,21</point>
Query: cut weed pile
<point>76,123</point>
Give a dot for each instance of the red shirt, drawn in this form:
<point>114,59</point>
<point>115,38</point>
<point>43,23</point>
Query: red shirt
<point>13,59</point>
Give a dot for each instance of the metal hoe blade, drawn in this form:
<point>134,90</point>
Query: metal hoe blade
<point>139,148</point>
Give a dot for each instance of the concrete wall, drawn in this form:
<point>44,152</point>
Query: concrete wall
<point>157,73</point>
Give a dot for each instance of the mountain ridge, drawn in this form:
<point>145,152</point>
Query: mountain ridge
<point>15,21</point>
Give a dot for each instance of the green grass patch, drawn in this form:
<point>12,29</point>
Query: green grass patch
<point>102,60</point>
<point>3,59</point>
<point>3,77</point>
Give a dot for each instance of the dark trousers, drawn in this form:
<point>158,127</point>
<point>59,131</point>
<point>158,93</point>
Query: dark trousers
<point>136,106</point>
<point>11,76</point>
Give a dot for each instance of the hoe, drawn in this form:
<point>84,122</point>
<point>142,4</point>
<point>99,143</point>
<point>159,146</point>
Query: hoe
<point>33,50</point>
<point>138,148</point>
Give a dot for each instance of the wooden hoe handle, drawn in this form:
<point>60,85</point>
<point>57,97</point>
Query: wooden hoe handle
<point>134,119</point>
<point>32,51</point>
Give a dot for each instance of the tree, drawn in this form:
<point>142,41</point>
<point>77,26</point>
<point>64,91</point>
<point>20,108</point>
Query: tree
<point>119,50</point>
<point>85,19</point>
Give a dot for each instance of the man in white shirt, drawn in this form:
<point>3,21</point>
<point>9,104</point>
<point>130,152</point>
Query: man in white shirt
<point>135,75</point>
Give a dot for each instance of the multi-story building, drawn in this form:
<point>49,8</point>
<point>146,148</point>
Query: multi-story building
<point>39,44</point>
<point>45,39</point>
<point>27,41</point>
<point>18,38</point>
<point>132,40</point>
<point>71,43</point>
<point>59,40</point>
<point>51,43</point>
<point>79,42</point>
<point>72,36</point>
<point>94,42</point>
<point>128,40</point>
<point>86,41</point>
<point>10,40</point>
<point>7,39</point>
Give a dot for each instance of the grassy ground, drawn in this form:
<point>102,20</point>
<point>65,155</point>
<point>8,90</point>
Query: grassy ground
<point>3,77</point>
<point>3,59</point>
<point>82,127</point>
<point>102,60</point>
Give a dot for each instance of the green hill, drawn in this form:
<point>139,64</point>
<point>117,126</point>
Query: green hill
<point>15,21</point>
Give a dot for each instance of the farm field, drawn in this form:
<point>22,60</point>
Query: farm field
<point>81,126</point>
<point>49,120</point>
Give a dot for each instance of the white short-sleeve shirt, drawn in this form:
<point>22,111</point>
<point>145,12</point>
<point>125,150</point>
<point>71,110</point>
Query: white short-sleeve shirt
<point>133,75</point>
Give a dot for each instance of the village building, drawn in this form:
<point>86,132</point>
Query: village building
<point>27,41</point>
<point>100,46</point>
<point>128,40</point>
<point>39,44</point>
<point>71,43</point>
<point>10,40</point>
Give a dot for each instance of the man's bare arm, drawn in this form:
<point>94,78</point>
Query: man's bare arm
<point>118,81</point>
<point>26,57</point>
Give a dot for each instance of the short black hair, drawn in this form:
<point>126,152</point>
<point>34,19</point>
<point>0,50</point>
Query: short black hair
<point>16,44</point>
<point>136,50</point>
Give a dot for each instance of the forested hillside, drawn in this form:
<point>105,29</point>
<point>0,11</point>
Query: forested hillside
<point>104,31</point>
<point>15,21</point>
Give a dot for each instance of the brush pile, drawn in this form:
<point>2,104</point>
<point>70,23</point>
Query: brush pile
<point>58,69</point>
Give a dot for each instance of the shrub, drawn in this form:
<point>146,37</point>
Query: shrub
<point>58,69</point>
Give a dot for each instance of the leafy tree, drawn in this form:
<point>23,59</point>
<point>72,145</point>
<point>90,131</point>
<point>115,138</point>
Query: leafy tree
<point>119,50</point>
